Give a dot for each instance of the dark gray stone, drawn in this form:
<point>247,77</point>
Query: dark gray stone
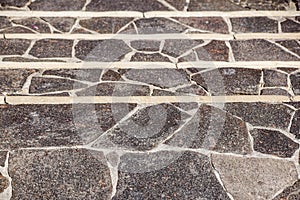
<point>264,4</point>
<point>254,25</point>
<point>291,45</point>
<point>290,26</point>
<point>57,5</point>
<point>111,75</point>
<point>33,23</point>
<point>168,175</point>
<point>274,78</point>
<point>154,57</point>
<point>59,174</point>
<point>295,80</point>
<point>275,91</point>
<point>17,29</point>
<point>4,183</point>
<point>213,5</point>
<point>13,46</point>
<point>3,155</point>
<point>176,48</point>
<point>273,142</point>
<point>63,24</point>
<point>146,45</point>
<point>23,59</point>
<point>4,22</point>
<point>290,193</point>
<point>92,75</point>
<point>192,90</point>
<point>178,4</point>
<point>295,126</point>
<point>214,51</point>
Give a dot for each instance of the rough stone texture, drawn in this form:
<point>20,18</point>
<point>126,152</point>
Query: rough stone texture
<point>178,4</point>
<point>15,3</point>
<point>176,48</point>
<point>45,85</point>
<point>274,78</point>
<point>250,178</point>
<point>111,75</point>
<point>155,57</point>
<point>254,24</point>
<point>192,90</point>
<point>290,26</point>
<point>133,5</point>
<point>264,4</point>
<point>275,91</point>
<point>63,24</point>
<point>213,129</point>
<point>273,142</point>
<point>101,50</point>
<point>105,24</point>
<point>207,24</point>
<point>229,81</point>
<point>258,50</point>
<point>115,89</point>
<point>290,193</point>
<point>3,155</point>
<point>17,29</point>
<point>47,48</point>
<point>57,5</point>
<point>164,78</point>
<point>59,174</point>
<point>295,80</point>
<point>145,129</point>
<point>295,126</point>
<point>92,75</point>
<point>13,46</point>
<point>213,5</point>
<point>214,51</point>
<point>12,80</point>
<point>262,114</point>
<point>4,22</point>
<point>145,45</point>
<point>33,23</point>
<point>167,175</point>
<point>292,45</point>
<point>158,25</point>
<point>4,183</point>
<point>23,59</point>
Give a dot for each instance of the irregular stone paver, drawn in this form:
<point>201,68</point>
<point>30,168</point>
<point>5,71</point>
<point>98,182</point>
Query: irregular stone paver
<point>295,81</point>
<point>290,26</point>
<point>111,75</point>
<point>254,178</point>
<point>290,193</point>
<point>63,24</point>
<point>3,155</point>
<point>274,79</point>
<point>13,46</point>
<point>292,45</point>
<point>4,22</point>
<point>34,24</point>
<point>262,114</point>
<point>4,183</point>
<point>15,3</point>
<point>23,59</point>
<point>145,45</point>
<point>167,175</point>
<point>92,75</point>
<point>211,5</point>
<point>175,48</point>
<point>275,91</point>
<point>142,57</point>
<point>215,50</point>
<point>273,142</point>
<point>295,126</point>
<point>213,129</point>
<point>254,24</point>
<point>57,5</point>
<point>59,174</point>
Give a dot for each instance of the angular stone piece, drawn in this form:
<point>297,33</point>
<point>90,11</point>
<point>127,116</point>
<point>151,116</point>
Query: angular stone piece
<point>145,45</point>
<point>3,155</point>
<point>4,22</point>
<point>13,46</point>
<point>207,24</point>
<point>59,174</point>
<point>105,24</point>
<point>4,183</point>
<point>290,26</point>
<point>259,50</point>
<point>33,23</point>
<point>17,29</point>
<point>63,24</point>
<point>92,75</point>
<point>178,4</point>
<point>125,5</point>
<point>275,91</point>
<point>57,5</point>
<point>213,5</point>
<point>158,25</point>
<point>23,59</point>
<point>45,85</point>
<point>111,75</point>
<point>262,114</point>
<point>229,81</point>
<point>295,126</point>
<point>101,50</point>
<point>292,45</point>
<point>274,78</point>
<point>167,175</point>
<point>213,129</point>
<point>251,178</point>
<point>157,92</point>
<point>264,4</point>
<point>48,48</point>
<point>273,142</point>
<point>193,90</point>
<point>155,57</point>
<point>295,80</point>
<point>164,78</point>
<point>290,193</point>
<point>176,48</point>
<point>214,51</point>
<point>12,80</point>
<point>254,25</point>
<point>14,3</point>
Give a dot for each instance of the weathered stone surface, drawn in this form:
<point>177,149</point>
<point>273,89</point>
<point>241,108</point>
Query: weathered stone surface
<point>4,183</point>
<point>264,4</point>
<point>4,22</point>
<point>33,23</point>
<point>47,48</point>
<point>158,25</point>
<point>295,126</point>
<point>274,78</point>
<point>3,155</point>
<point>101,50</point>
<point>213,5</point>
<point>14,3</point>
<point>295,80</point>
<point>254,24</point>
<point>262,114</point>
<point>105,24</point>
<point>176,48</point>
<point>57,5</point>
<point>167,175</point>
<point>23,59</point>
<point>192,90</point>
<point>259,50</point>
<point>275,91</point>
<point>214,51</point>
<point>63,24</point>
<point>229,81</point>
<point>178,4</point>
<point>213,129</point>
<point>157,92</point>
<point>13,46</point>
<point>250,178</point>
<point>111,75</point>
<point>207,24</point>
<point>133,5</point>
<point>17,29</point>
<point>292,45</point>
<point>115,89</point>
<point>59,174</point>
<point>153,57</point>
<point>290,26</point>
<point>12,80</point>
<point>45,85</point>
<point>92,75</point>
<point>273,142</point>
<point>145,45</point>
<point>164,78</point>
<point>290,193</point>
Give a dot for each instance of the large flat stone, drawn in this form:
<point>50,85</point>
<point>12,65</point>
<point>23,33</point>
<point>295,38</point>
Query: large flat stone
<point>176,48</point>
<point>290,26</point>
<point>216,50</point>
<point>59,174</point>
<point>33,23</point>
<point>167,175</point>
<point>250,178</point>
<point>274,78</point>
<point>13,46</point>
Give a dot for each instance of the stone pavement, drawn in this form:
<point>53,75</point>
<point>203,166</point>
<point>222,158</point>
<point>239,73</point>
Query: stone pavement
<point>149,99</point>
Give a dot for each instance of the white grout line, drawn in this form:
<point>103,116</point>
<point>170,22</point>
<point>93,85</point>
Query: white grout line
<point>143,99</point>
<point>2,100</point>
<point>150,65</point>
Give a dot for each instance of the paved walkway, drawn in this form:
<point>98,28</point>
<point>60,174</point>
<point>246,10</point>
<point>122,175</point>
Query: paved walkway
<point>149,99</point>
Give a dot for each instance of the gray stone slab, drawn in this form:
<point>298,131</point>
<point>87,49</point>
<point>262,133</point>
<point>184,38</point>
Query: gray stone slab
<point>13,46</point>
<point>254,25</point>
